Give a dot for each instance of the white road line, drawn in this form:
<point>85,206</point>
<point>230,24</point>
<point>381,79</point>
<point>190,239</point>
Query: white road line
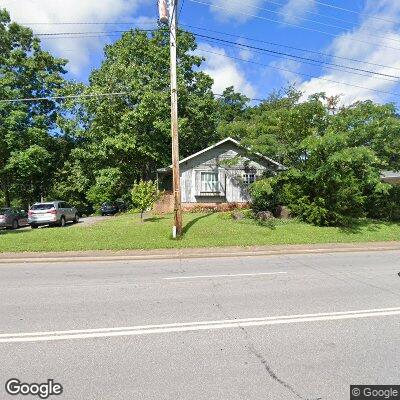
<point>194,326</point>
<point>221,276</point>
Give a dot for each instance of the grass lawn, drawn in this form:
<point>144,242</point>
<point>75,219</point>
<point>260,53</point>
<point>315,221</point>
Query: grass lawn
<point>201,230</point>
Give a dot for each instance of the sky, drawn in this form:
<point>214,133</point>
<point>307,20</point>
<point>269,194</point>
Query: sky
<point>320,40</point>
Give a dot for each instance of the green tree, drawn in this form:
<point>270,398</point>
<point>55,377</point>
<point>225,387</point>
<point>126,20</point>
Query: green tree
<point>107,186</point>
<point>29,171</point>
<point>334,160</point>
<point>144,195</point>
<point>28,128</point>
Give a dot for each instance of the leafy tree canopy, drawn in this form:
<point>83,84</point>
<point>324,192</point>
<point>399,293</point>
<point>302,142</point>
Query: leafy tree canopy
<point>29,153</point>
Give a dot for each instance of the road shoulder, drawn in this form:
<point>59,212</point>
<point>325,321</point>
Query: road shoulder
<point>106,255</point>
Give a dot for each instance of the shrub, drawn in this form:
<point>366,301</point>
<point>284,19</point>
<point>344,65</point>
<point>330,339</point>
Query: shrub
<point>144,195</point>
<point>264,195</point>
<point>385,204</point>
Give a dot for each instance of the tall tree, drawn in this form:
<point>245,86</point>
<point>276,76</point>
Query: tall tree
<point>29,152</point>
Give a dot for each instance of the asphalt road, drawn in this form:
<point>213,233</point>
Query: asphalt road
<point>278,327</point>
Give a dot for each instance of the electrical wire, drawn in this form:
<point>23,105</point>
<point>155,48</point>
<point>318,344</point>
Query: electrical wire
<point>295,25</point>
<point>237,46</point>
<point>306,60</point>
<point>346,30</point>
<point>312,12</point>
<point>289,47</point>
<point>33,99</point>
<point>47,35</point>
<point>303,74</point>
<point>180,10</point>
<point>356,12</point>
<point>292,56</point>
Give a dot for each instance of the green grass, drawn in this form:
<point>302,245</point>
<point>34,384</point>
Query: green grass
<point>201,230</point>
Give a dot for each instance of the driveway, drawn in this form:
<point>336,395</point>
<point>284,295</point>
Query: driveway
<point>85,221</point>
<point>89,221</point>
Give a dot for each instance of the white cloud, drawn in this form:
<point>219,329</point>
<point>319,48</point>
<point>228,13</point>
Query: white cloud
<point>235,9</point>
<point>373,51</point>
<point>294,9</point>
<point>78,51</point>
<point>288,69</point>
<point>224,71</point>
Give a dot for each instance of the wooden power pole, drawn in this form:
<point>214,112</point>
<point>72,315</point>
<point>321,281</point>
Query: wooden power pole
<point>172,20</point>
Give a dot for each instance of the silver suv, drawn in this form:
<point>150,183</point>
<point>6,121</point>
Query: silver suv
<point>52,213</point>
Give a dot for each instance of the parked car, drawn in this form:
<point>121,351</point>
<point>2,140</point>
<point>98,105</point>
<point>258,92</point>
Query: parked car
<point>113,207</point>
<point>54,213</point>
<point>12,219</point>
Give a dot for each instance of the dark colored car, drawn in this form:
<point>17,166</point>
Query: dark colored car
<point>113,207</point>
<point>12,219</point>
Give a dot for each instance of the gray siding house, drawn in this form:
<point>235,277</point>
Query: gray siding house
<point>392,177</point>
<point>219,174</point>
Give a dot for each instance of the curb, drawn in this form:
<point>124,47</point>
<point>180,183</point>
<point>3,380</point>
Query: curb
<point>142,255</point>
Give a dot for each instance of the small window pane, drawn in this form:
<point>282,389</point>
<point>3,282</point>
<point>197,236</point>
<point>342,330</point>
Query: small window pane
<point>209,182</point>
<point>248,179</point>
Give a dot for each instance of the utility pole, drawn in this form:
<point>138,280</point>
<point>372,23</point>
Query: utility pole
<point>173,6</point>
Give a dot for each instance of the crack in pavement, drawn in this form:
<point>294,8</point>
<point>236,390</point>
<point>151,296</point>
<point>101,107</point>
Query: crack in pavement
<point>269,370</point>
<point>250,346</point>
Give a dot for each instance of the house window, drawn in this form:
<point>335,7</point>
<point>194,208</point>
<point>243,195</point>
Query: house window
<point>248,179</point>
<point>209,182</point>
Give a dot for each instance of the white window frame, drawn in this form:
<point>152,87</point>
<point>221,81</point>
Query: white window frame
<point>209,186</point>
<point>247,181</point>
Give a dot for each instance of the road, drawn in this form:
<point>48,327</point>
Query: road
<point>278,327</point>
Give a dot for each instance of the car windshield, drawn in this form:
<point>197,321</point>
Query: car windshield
<point>42,206</point>
<point>108,204</point>
<point>4,210</point>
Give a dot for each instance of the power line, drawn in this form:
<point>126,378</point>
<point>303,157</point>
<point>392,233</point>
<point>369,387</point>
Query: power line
<point>288,55</point>
<point>303,74</point>
<point>276,53</point>
<point>33,99</point>
<point>317,22</point>
<point>356,12</point>
<point>89,33</point>
<point>180,10</point>
<point>86,23</point>
<point>193,27</point>
<point>237,46</point>
<point>295,25</point>
<point>289,47</point>
<point>313,12</point>
<point>305,60</point>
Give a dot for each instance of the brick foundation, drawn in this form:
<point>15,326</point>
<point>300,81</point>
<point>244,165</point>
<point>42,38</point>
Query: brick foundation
<point>166,205</point>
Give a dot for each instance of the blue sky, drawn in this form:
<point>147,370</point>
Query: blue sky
<point>370,34</point>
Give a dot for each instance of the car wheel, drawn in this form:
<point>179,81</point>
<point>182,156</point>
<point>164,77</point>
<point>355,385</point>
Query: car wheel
<point>76,219</point>
<point>62,222</point>
<point>15,225</point>
<point>34,226</point>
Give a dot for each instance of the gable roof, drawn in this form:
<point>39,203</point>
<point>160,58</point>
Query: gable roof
<point>229,139</point>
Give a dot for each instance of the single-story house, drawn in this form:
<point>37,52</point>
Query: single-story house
<point>391,177</point>
<point>219,174</point>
